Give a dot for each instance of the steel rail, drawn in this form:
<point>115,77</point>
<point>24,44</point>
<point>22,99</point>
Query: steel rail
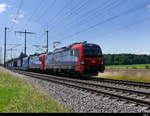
<point>86,86</point>
<point>124,82</point>
<point>89,83</point>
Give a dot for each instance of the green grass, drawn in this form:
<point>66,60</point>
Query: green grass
<point>137,66</point>
<point>17,95</point>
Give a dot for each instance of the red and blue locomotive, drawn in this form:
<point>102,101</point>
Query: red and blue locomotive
<point>79,58</point>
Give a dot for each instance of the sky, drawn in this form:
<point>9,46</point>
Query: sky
<point>118,26</point>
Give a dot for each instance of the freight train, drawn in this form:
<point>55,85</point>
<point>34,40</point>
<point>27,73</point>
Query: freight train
<point>79,58</point>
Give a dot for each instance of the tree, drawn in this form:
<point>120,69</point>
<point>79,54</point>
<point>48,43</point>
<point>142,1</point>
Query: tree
<point>126,59</point>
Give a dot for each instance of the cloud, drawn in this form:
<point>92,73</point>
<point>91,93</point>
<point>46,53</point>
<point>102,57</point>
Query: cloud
<point>20,16</point>
<point>15,18</point>
<point>148,7</point>
<point>146,52</point>
<point>15,21</point>
<point>3,8</point>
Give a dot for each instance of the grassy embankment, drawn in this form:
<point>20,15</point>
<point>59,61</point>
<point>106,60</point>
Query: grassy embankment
<point>17,95</point>
<point>138,73</point>
<point>137,66</point>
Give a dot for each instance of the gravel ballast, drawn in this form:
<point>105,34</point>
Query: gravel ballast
<point>83,101</point>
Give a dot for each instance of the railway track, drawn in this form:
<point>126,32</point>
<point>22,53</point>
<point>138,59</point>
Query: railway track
<point>129,95</point>
<point>113,81</point>
<point>141,84</point>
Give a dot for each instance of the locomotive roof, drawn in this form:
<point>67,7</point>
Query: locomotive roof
<point>68,47</point>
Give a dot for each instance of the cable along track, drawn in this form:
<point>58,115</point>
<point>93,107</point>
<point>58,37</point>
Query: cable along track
<point>136,97</point>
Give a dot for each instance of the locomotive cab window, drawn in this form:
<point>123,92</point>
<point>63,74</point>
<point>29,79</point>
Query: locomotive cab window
<point>91,51</point>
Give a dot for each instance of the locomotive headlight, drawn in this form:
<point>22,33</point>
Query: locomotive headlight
<point>82,62</point>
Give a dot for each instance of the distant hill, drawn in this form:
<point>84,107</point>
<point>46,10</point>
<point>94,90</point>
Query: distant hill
<point>126,59</point>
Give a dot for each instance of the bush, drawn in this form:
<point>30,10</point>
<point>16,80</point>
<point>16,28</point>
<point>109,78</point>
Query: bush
<point>147,67</point>
<point>134,67</point>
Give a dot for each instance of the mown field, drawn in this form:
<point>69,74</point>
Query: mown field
<point>17,95</point>
<point>137,73</point>
<point>137,66</point>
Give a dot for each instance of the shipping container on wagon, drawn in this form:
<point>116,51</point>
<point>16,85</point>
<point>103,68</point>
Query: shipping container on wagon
<point>35,63</point>
<point>25,63</point>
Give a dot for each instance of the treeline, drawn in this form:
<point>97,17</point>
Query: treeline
<point>126,59</point>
